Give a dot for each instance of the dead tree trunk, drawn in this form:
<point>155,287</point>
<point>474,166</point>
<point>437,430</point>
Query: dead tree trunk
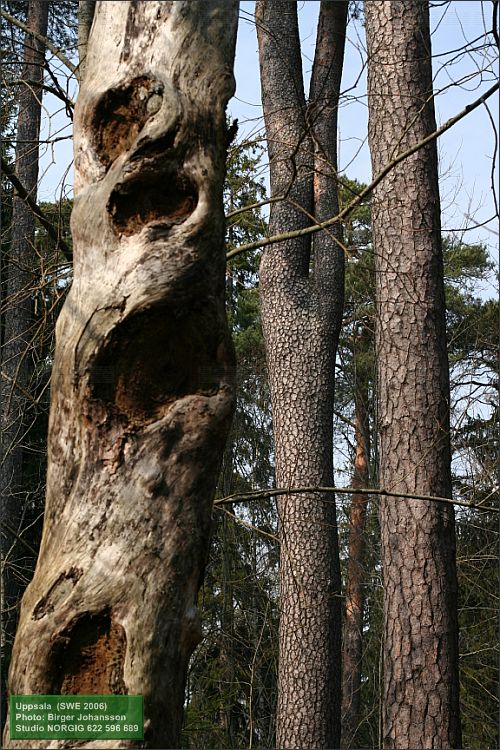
<point>420,691</point>
<point>142,387</point>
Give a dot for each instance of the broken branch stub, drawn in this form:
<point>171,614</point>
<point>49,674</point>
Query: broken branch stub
<point>142,386</point>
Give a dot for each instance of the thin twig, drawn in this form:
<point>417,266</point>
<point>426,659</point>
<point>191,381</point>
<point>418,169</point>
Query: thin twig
<point>253,206</point>
<point>42,218</point>
<point>51,89</point>
<point>342,215</point>
<point>43,39</point>
<point>19,538</point>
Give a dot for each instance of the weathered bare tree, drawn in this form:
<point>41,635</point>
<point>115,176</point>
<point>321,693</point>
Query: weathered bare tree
<point>420,692</point>
<point>301,287</point>
<point>142,388</point>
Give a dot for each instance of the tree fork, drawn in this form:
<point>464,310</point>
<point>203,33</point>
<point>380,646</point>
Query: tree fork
<point>142,388</point>
<point>301,290</point>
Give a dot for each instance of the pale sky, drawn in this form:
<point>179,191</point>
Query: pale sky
<point>466,151</point>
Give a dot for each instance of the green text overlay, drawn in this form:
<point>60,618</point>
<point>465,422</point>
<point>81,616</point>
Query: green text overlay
<point>105,717</point>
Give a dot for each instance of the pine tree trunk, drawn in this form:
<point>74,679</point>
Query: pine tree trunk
<point>353,624</point>
<point>420,700</point>
<point>301,287</point>
<point>86,9</point>
<point>142,387</point>
<point>17,313</point>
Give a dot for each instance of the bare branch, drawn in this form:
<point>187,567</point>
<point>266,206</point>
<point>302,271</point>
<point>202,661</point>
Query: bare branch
<point>55,50</point>
<point>239,497</point>
<point>44,221</point>
<point>253,206</point>
<point>495,23</point>
<point>342,215</point>
<point>58,92</point>
<point>18,537</point>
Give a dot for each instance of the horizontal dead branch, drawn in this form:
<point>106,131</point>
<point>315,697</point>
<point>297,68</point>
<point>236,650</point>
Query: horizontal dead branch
<point>239,497</point>
<point>345,213</point>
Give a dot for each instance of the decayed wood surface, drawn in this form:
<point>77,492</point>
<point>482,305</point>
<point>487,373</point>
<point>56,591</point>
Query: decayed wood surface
<point>142,390</point>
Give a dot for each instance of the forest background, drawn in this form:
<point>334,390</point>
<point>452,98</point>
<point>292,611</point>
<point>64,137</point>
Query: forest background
<point>231,694</point>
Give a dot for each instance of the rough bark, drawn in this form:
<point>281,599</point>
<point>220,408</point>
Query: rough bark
<point>420,692</point>
<point>353,623</point>
<point>301,287</point>
<point>86,9</point>
<point>17,313</point>
<point>142,387</point>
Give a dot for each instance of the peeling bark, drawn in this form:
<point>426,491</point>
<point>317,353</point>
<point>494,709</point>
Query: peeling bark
<point>142,386</point>
<point>420,651</point>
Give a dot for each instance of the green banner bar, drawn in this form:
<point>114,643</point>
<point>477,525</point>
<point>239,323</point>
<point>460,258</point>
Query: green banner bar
<point>73,717</point>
